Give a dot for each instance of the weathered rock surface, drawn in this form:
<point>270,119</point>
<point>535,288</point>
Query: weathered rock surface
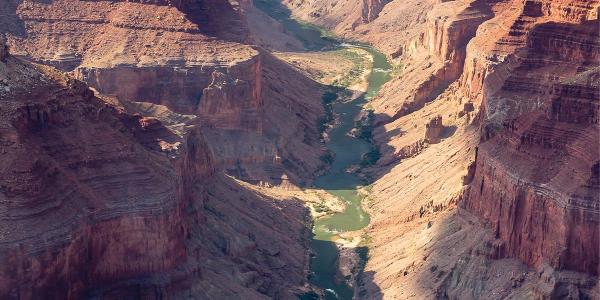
<point>517,81</point>
<point>338,15</point>
<point>540,169</point>
<point>187,56</point>
<point>97,202</point>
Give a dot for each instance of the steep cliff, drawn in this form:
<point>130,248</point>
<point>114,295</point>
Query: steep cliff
<point>528,84</point>
<point>189,57</point>
<point>535,177</point>
<point>436,59</point>
<point>97,202</point>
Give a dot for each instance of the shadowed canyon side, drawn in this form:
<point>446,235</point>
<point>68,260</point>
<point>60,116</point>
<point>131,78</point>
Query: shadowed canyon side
<point>190,57</point>
<point>117,191</point>
<point>487,181</point>
<point>100,203</point>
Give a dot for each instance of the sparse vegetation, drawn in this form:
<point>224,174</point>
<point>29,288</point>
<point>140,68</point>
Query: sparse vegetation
<point>397,70</point>
<point>327,158</point>
<point>370,158</point>
<point>364,127</point>
<point>322,208</point>
<point>359,64</point>
<point>328,99</point>
<point>364,130</point>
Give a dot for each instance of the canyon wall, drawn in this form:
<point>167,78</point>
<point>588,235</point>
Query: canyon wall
<point>535,176</point>
<point>98,202</point>
<point>340,16</point>
<point>448,28</point>
<point>118,191</point>
<point>189,57</point>
<point>73,179</point>
<point>391,25</point>
<point>501,199</point>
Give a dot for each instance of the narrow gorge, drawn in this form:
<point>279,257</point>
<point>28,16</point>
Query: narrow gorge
<point>299,149</point>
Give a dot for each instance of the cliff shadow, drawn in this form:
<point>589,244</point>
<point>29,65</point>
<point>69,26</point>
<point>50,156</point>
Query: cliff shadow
<point>365,280</point>
<point>389,156</point>
<point>312,37</point>
<point>238,216</point>
<point>10,22</point>
<point>232,233</point>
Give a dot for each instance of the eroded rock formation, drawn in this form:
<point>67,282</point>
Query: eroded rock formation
<point>98,202</point>
<point>188,56</point>
<point>540,167</point>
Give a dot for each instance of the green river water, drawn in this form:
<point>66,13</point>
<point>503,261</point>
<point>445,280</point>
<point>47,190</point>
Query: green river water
<point>347,150</point>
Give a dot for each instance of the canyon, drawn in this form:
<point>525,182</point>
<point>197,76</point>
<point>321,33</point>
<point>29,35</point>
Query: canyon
<point>116,177</point>
<point>191,64</point>
<point>171,149</point>
<point>99,202</point>
<point>500,198</point>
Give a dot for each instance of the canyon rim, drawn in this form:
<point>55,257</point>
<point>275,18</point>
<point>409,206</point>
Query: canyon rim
<point>299,149</point>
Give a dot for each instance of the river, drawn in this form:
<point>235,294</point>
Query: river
<point>347,150</point>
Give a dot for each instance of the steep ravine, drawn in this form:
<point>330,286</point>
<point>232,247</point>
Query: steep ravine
<point>340,180</point>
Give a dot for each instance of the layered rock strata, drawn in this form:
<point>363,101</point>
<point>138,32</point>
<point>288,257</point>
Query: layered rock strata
<point>187,56</point>
<point>516,83</point>
<point>101,203</point>
<point>549,208</point>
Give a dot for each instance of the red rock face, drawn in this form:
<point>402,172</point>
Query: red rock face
<point>187,56</point>
<point>83,206</point>
<point>536,182</point>
<point>95,204</point>
<point>220,102</point>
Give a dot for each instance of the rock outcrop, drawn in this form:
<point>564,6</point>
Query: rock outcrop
<point>434,130</point>
<point>539,169</point>
<point>98,202</point>
<point>220,102</point>
<point>188,56</point>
